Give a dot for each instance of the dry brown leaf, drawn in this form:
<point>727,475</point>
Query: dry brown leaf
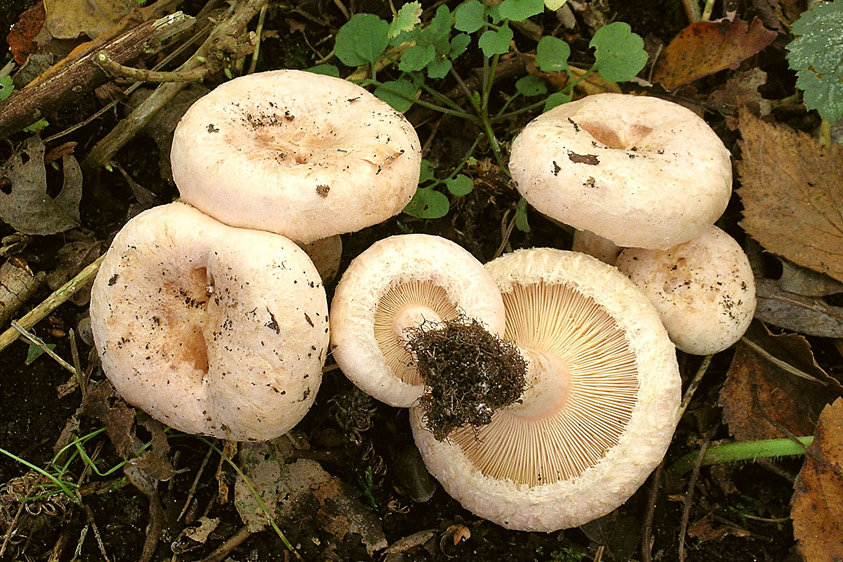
<point>21,38</point>
<point>341,513</point>
<point>741,90</point>
<point>792,195</point>
<point>67,19</point>
<point>802,281</point>
<point>755,389</point>
<point>707,47</point>
<point>817,509</point>
<point>806,315</point>
<point>706,530</point>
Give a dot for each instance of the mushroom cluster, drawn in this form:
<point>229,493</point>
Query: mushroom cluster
<point>641,172</point>
<point>597,406</point>
<point>206,313</point>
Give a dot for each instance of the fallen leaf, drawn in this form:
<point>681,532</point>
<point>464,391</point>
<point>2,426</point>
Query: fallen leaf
<point>806,315</point>
<point>342,513</point>
<point>705,530</point>
<point>410,542</point>
<point>756,389</point>
<point>24,202</point>
<point>707,47</point>
<point>68,19</point>
<point>792,194</point>
<point>21,37</point>
<point>741,90</point>
<point>816,509</point>
<point>802,281</point>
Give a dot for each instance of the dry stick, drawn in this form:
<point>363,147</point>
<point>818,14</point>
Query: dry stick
<point>225,37</point>
<point>647,528</point>
<point>52,302</point>
<point>692,482</point>
<point>692,10</point>
<point>779,363</point>
<point>195,484</point>
<point>692,387</point>
<point>40,343</point>
<point>24,107</point>
<point>229,545</point>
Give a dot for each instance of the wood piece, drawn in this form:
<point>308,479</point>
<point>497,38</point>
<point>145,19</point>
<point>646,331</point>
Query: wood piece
<point>17,284</point>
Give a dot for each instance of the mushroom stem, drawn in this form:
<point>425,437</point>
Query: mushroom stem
<point>548,382</point>
<point>412,317</point>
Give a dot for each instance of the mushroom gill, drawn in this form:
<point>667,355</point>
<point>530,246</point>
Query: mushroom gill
<point>593,354</point>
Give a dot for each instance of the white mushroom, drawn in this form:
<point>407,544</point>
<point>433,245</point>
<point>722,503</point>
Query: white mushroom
<point>600,412</point>
<point>637,170</point>
<point>703,289</point>
<point>398,283</point>
<point>296,153</point>
<point>210,329</point>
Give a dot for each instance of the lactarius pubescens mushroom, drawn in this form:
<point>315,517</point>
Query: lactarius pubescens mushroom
<point>703,289</point>
<point>600,410</point>
<point>296,153</point>
<point>210,329</point>
<point>401,283</point>
<point>637,170</point>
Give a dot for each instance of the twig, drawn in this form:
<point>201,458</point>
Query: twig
<point>258,33</point>
<point>781,364</point>
<point>115,69</point>
<point>647,527</point>
<point>225,39</point>
<point>40,343</point>
<point>692,483</point>
<point>692,387</point>
<point>229,545</point>
<point>195,484</point>
<point>52,302</point>
<point>692,10</point>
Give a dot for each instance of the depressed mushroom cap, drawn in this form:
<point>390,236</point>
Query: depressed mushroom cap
<point>637,170</point>
<point>588,453</point>
<point>296,153</point>
<point>210,329</point>
<point>703,289</point>
<point>415,276</point>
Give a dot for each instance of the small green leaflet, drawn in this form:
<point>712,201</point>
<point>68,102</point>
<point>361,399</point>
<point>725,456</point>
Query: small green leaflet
<point>468,17</point>
<point>521,222</point>
<point>817,57</point>
<point>552,54</point>
<point>554,5</point>
<point>361,40</point>
<point>397,93</point>
<point>417,57</point>
<point>35,351</point>
<point>531,86</point>
<point>408,16</point>
<point>428,203</point>
<point>326,69</point>
<point>6,87</point>
<point>495,42</point>
<point>460,185</point>
<point>519,10</point>
<point>619,54</point>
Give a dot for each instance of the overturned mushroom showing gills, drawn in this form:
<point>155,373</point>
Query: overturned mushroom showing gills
<point>210,329</point>
<point>637,170</point>
<point>600,411</point>
<point>398,283</point>
<point>296,153</point>
<point>703,289</point>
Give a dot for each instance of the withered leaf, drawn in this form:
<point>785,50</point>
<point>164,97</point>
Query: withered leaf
<point>792,195</point>
<point>816,509</point>
<point>24,202</point>
<point>707,47</point>
<point>806,315</point>
<point>741,90</point>
<point>342,513</point>
<point>21,38</point>
<point>808,283</point>
<point>67,19</point>
<point>756,389</point>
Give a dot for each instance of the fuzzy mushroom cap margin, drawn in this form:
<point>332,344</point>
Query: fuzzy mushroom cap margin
<point>638,170</point>
<point>399,282</point>
<point>210,329</point>
<point>296,153</point>
<point>587,454</point>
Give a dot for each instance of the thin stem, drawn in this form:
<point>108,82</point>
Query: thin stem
<point>442,97</point>
<point>743,451</point>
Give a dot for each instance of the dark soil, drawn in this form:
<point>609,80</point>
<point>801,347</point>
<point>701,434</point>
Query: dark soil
<point>367,445</point>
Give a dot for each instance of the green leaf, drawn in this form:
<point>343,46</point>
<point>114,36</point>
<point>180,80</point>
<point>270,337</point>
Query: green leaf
<point>37,126</point>
<point>439,68</point>
<point>494,14</point>
<point>408,16</point>
<point>620,53</point>
<point>554,5</point>
<point>521,216</point>
<point>460,185</point>
<point>557,98</point>
<point>6,87</point>
<point>469,16</point>
<point>361,40</point>
<point>416,57</point>
<point>519,10</point>
<point>426,171</point>
<point>531,86</point>
<point>326,69</point>
<point>552,54</point>
<point>35,351</point>
<point>406,37</point>
<point>440,25</point>
<point>495,42</point>
<point>428,203</point>
<point>817,57</point>
<point>397,93</point>
<point>459,43</point>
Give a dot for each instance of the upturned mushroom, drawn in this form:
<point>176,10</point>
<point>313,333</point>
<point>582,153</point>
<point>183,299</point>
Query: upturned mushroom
<point>703,289</point>
<point>396,285</point>
<point>210,329</point>
<point>640,171</point>
<point>295,153</point>
<point>600,409</point>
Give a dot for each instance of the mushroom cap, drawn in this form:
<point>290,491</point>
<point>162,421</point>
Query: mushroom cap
<point>296,153</point>
<point>210,329</point>
<point>585,455</point>
<point>703,289</point>
<point>398,282</point>
<point>637,170</point>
